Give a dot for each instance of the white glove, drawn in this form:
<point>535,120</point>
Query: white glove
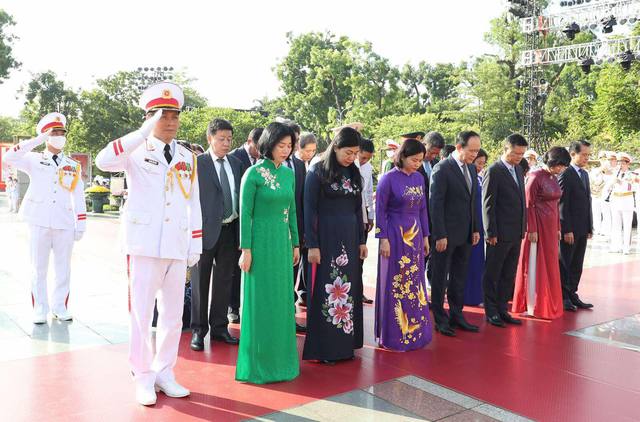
<point>149,124</point>
<point>78,235</point>
<point>193,259</point>
<point>43,137</point>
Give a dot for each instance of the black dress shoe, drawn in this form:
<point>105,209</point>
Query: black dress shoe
<point>580,304</point>
<point>568,306</point>
<point>197,342</point>
<point>445,329</point>
<point>300,328</point>
<point>226,338</point>
<point>463,325</point>
<point>496,320</point>
<point>366,300</point>
<point>509,319</point>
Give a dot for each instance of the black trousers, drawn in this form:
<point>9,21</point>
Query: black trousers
<point>499,276</point>
<point>219,262</point>
<point>571,260</point>
<point>234,302</point>
<point>300,276</point>
<point>449,273</point>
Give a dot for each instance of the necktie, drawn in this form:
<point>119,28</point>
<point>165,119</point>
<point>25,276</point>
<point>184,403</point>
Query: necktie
<point>226,191</point>
<point>289,163</point>
<point>427,168</point>
<point>55,159</point>
<point>512,170</point>
<point>467,177</point>
<point>585,179</point>
<point>167,153</point>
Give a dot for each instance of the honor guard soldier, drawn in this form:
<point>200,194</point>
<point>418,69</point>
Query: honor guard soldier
<point>55,210</point>
<point>621,189</point>
<point>162,235</point>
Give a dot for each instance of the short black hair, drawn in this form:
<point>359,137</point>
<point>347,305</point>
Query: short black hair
<point>576,146</point>
<point>525,166</point>
<point>307,138</point>
<point>409,147</point>
<point>255,134</point>
<point>464,136</point>
<point>367,145</point>
<point>557,156</point>
<point>434,139</point>
<point>218,124</point>
<point>481,153</point>
<point>447,150</point>
<point>515,140</point>
<point>271,136</point>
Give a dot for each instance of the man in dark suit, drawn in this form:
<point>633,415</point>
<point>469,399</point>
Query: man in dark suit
<point>247,154</point>
<point>433,142</point>
<point>219,180</point>
<point>454,228</point>
<point>576,223</point>
<point>300,172</point>
<point>504,214</point>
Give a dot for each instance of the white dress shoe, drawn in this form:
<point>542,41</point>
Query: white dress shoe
<point>39,317</point>
<point>146,396</point>
<point>172,388</point>
<point>63,315</point>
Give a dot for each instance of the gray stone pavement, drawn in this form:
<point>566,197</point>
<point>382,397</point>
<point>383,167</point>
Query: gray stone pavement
<point>98,297</point>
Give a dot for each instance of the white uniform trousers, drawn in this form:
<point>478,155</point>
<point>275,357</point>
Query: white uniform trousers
<point>164,280</point>
<point>13,201</point>
<point>42,241</point>
<point>605,225</point>
<point>596,210</point>
<point>621,220</point>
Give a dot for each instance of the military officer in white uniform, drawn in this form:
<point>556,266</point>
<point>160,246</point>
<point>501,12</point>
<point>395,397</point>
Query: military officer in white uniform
<point>621,188</point>
<point>162,234</point>
<point>55,210</point>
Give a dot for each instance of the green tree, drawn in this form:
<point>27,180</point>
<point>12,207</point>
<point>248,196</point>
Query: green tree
<point>45,93</point>
<point>7,39</point>
<point>194,123</point>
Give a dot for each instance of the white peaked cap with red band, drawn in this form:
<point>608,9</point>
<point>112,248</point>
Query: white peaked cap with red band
<point>52,121</point>
<point>391,144</point>
<point>624,156</point>
<point>163,95</point>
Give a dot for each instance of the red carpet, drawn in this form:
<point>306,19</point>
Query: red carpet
<point>534,370</point>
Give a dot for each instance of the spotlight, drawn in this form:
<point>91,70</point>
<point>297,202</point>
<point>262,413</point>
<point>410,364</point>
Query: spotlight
<point>608,24</point>
<point>632,20</point>
<point>571,30</point>
<point>585,64</point>
<point>626,59</point>
<point>623,21</point>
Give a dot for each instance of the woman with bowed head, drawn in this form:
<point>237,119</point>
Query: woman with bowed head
<point>473,288</point>
<point>269,243</point>
<point>538,290</point>
<point>402,225</point>
<point>335,236</point>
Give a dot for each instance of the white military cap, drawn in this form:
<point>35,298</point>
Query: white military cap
<point>355,125</point>
<point>623,156</point>
<point>55,121</point>
<point>612,154</point>
<point>163,95</point>
<point>391,144</point>
<point>530,153</point>
<point>602,154</point>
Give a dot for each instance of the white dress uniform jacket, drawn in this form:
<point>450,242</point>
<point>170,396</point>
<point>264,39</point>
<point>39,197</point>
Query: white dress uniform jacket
<point>48,201</point>
<point>162,216</point>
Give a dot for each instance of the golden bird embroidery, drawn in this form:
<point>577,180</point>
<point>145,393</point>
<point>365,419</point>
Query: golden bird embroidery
<point>409,235</point>
<point>422,298</point>
<point>403,321</point>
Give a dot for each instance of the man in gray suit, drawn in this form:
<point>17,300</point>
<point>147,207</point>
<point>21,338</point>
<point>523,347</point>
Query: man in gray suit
<point>219,177</point>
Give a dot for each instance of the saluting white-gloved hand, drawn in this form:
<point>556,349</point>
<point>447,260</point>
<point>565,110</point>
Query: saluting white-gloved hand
<point>43,137</point>
<point>193,260</point>
<point>150,123</point>
<point>78,235</point>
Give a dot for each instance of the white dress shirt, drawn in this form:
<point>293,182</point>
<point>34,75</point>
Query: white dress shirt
<point>366,171</point>
<point>232,183</point>
<point>246,148</point>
